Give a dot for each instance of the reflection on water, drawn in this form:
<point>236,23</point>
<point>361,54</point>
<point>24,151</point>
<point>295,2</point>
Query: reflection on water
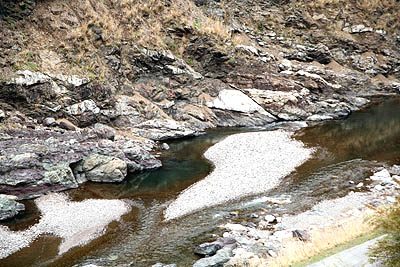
<point>347,150</point>
<point>371,134</point>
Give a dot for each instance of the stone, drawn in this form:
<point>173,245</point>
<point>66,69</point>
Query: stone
<point>382,176</point>
<point>163,129</point>
<point>235,100</point>
<point>302,235</point>
<point>60,175</point>
<point>251,50</point>
<point>270,218</point>
<point>164,146</point>
<point>104,131</point>
<point>9,207</point>
<point>208,249</point>
<point>82,107</point>
<point>2,115</point>
<point>66,124</point>
<point>359,185</point>
<point>101,168</point>
<point>159,264</point>
<point>49,122</point>
<point>360,28</point>
<point>222,256</point>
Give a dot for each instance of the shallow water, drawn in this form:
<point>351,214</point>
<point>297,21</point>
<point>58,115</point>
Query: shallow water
<point>346,151</point>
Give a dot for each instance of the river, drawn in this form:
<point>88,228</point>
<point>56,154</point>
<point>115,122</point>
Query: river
<point>347,150</point>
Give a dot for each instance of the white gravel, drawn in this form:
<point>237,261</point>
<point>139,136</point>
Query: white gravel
<point>76,223</point>
<point>245,164</point>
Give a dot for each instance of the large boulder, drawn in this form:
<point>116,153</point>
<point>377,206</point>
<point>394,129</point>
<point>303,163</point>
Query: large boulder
<point>101,168</point>
<point>9,207</point>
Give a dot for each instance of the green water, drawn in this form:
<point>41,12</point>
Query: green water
<point>345,151</point>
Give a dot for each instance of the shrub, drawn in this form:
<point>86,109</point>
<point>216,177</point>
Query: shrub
<point>387,250</point>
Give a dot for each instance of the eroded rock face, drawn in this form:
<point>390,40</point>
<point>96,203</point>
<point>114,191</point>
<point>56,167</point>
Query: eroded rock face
<point>9,207</point>
<point>44,160</point>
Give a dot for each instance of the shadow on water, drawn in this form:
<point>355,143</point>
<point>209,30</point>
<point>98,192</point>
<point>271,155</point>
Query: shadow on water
<point>345,151</point>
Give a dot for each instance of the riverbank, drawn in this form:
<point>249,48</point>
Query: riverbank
<point>245,164</point>
<point>283,241</point>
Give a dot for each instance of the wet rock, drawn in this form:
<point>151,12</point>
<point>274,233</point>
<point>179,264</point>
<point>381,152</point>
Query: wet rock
<point>9,207</point>
<point>222,256</point>
<point>164,146</point>
<point>100,168</point>
<point>302,235</point>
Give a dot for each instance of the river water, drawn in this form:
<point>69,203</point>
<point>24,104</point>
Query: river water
<point>346,153</point>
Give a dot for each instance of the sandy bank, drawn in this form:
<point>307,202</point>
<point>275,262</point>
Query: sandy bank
<point>245,164</point>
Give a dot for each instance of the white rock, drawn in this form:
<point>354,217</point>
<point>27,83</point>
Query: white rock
<point>269,218</point>
<point>235,227</point>
<point>360,185</point>
<point>236,100</point>
<point>82,107</point>
<point>383,175</point>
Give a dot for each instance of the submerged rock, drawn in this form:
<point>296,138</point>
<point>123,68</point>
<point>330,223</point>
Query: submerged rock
<point>9,207</point>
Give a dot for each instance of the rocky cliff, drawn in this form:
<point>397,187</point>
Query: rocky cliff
<point>89,88</point>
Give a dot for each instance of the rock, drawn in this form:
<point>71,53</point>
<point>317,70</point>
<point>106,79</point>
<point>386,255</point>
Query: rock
<point>360,28</point>
<point>235,227</point>
<point>270,218</point>
<point>9,207</point>
<point>49,122</point>
<point>163,129</point>
<point>82,107</point>
<point>222,256</point>
<point>378,187</point>
<point>208,249</point>
<point>66,124</point>
<point>302,235</point>
<point>272,253</point>
<point>359,185</point>
<point>319,53</point>
<point>60,175</point>
<point>100,168</point>
<point>104,131</point>
<point>2,115</point>
<point>164,146</point>
<point>163,265</point>
<point>235,100</point>
<point>251,50</point>
<point>382,176</point>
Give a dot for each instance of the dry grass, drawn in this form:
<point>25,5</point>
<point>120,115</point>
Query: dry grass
<point>322,240</point>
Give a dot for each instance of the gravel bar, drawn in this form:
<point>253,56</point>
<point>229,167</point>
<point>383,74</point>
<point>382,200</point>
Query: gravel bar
<point>76,223</point>
<point>245,164</point>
